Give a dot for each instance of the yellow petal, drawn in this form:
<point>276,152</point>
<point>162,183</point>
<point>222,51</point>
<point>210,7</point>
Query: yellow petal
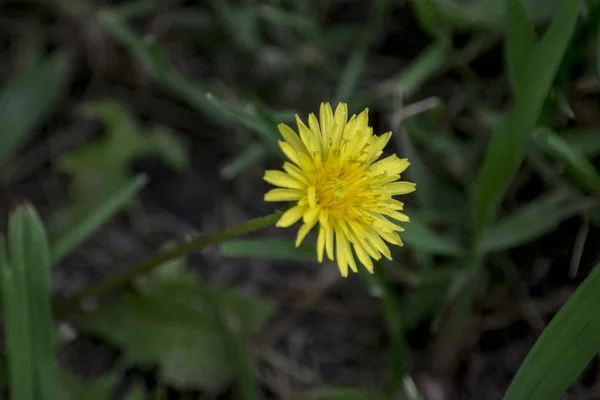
<point>321,243</point>
<point>379,244</point>
<point>291,137</point>
<point>311,195</point>
<point>304,229</point>
<point>284,195</point>
<point>397,188</point>
<point>295,172</point>
<point>329,241</point>
<point>290,153</point>
<point>341,115</point>
<point>290,217</point>
<point>341,253</point>
<point>307,136</point>
<point>363,257</point>
<point>281,179</point>
<point>311,216</point>
<point>391,237</point>
<point>361,233</point>
<point>342,234</point>
<point>392,166</point>
<point>314,125</point>
<point>326,117</point>
<point>395,214</point>
<point>378,144</point>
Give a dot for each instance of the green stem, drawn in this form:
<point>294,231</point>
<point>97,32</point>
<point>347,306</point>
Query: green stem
<point>116,281</point>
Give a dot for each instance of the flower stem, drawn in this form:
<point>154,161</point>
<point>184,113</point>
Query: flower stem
<point>116,281</point>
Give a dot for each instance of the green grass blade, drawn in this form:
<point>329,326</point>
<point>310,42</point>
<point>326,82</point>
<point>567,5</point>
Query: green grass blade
<point>509,142</point>
<point>392,313</point>
<point>16,332</point>
<point>431,183</point>
<point>353,70</point>
<point>269,249</point>
<point>152,56</point>
<point>534,220</point>
<point>564,349</point>
<point>93,221</point>
<point>579,167</point>
<point>245,160</point>
<point>584,140</point>
<point>35,257</point>
<point>26,100</point>
<point>430,62</point>
<point>519,41</point>
<point>420,236</point>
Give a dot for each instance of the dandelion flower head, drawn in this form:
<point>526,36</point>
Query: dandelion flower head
<point>335,179</point>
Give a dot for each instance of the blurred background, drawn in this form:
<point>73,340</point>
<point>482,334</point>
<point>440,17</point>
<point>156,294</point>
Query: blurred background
<point>97,96</point>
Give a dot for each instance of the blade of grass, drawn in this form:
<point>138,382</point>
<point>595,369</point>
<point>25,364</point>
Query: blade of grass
<point>16,330</point>
<point>431,184</point>
<point>519,41</point>
<point>420,236</point>
<point>246,159</point>
<point>26,100</point>
<point>94,220</point>
<point>392,313</point>
<point>35,258</point>
<point>430,62</point>
<point>584,140</point>
<point>152,56</point>
<point>564,349</point>
<point>268,248</point>
<point>353,70</point>
<point>534,220</point>
<point>508,144</point>
<point>115,281</point>
<point>579,167</point>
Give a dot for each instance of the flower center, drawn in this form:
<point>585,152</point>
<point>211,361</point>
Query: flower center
<point>340,189</point>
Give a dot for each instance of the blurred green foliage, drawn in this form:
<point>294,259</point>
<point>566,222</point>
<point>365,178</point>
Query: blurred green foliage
<point>100,168</point>
<point>269,60</point>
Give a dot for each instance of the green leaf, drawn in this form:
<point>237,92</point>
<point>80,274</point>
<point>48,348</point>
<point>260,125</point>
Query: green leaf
<point>269,249</point>
<point>564,349</point>
<point>509,142</point>
<point>29,257</point>
<point>420,236</point>
<point>519,41</point>
<point>488,14</point>
<point>582,170</point>
<point>101,168</point>
<point>584,140</point>
<point>26,100</point>
<point>427,15</point>
<point>187,341</point>
<point>533,220</point>
<point>17,332</point>
<point>91,222</point>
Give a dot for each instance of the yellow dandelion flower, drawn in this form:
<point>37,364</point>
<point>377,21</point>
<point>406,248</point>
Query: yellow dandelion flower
<point>336,180</point>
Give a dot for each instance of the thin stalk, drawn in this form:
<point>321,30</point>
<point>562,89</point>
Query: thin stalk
<point>116,281</point>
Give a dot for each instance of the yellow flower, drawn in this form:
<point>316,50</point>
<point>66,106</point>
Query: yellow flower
<point>335,180</point>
